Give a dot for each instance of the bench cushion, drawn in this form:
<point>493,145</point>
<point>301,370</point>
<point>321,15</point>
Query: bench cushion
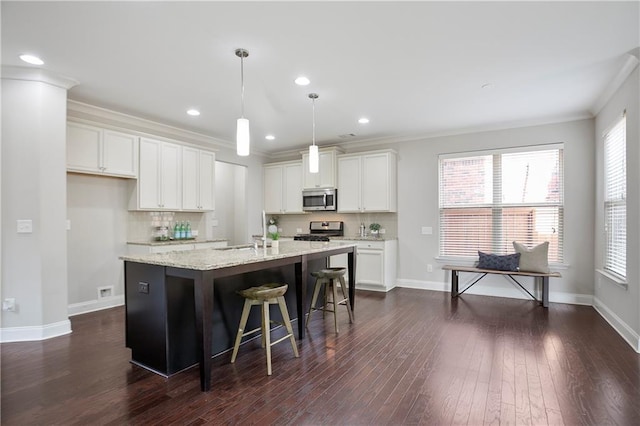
<point>508,262</point>
<point>533,259</point>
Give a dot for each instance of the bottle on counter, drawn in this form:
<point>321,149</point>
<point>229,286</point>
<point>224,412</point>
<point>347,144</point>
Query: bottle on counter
<point>183,231</point>
<point>188,230</point>
<point>176,232</point>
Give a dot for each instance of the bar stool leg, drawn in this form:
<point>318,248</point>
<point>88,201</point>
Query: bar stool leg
<point>243,322</point>
<point>345,295</point>
<point>326,283</point>
<point>287,324</point>
<point>314,299</point>
<point>334,292</point>
<point>266,333</point>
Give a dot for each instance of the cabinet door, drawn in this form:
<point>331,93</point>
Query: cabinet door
<point>370,267</point>
<point>190,179</point>
<point>326,176</point>
<point>83,148</point>
<point>207,176</point>
<point>149,174</point>
<point>120,154</point>
<point>292,180</point>
<point>349,184</point>
<point>170,188</point>
<point>273,189</point>
<point>375,182</point>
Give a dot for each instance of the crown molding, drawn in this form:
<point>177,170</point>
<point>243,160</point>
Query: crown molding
<point>37,74</point>
<point>630,63</point>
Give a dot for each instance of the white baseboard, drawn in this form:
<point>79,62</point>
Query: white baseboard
<point>509,291</point>
<point>95,305</point>
<point>34,333</point>
<point>618,325</point>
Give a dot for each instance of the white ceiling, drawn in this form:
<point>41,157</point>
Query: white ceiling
<point>413,68</point>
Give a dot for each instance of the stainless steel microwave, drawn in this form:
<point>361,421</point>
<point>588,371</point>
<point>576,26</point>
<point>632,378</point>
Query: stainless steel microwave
<point>320,199</point>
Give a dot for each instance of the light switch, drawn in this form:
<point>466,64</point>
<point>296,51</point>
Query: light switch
<point>25,226</point>
<point>68,225</point>
<point>427,230</point>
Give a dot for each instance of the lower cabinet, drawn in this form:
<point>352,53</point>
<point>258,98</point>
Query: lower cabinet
<point>375,264</point>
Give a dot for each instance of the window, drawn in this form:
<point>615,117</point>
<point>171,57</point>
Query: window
<point>615,199</point>
<point>490,199</point>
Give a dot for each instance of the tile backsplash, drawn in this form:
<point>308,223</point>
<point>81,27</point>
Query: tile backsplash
<point>289,224</point>
<point>142,225</point>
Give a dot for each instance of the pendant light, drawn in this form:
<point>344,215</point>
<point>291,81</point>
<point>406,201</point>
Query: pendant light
<point>314,158</point>
<point>242,130</point>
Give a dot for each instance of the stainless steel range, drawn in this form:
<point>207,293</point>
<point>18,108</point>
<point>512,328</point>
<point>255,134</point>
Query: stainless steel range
<point>322,231</point>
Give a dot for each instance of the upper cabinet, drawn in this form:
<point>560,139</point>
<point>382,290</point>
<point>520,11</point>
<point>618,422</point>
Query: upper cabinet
<point>367,182</point>
<point>159,182</point>
<point>326,176</point>
<point>198,179</point>
<point>101,151</point>
<point>283,187</point>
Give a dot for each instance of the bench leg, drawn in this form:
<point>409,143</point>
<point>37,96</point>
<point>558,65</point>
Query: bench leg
<point>545,292</point>
<point>454,283</point>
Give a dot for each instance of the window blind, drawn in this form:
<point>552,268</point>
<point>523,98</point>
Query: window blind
<point>615,199</point>
<point>491,199</point>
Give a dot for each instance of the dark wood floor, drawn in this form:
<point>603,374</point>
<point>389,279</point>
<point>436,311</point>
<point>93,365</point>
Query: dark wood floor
<point>412,357</point>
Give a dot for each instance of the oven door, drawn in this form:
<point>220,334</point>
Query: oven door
<point>319,199</point>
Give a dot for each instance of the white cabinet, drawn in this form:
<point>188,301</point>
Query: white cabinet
<point>375,264</point>
<point>326,176</point>
<point>159,182</point>
<point>198,176</point>
<point>283,187</point>
<point>367,182</point>
<point>100,151</point>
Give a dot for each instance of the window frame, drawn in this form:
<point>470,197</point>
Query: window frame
<point>498,205</point>
<point>610,269</point>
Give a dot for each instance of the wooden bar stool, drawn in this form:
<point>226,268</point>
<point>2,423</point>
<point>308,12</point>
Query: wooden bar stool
<point>265,295</point>
<point>328,278</point>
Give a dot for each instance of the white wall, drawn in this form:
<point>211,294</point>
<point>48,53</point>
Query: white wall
<point>621,305</point>
<point>418,206</point>
<point>34,270</point>
<point>97,209</point>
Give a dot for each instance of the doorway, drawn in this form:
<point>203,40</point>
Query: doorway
<point>229,220</point>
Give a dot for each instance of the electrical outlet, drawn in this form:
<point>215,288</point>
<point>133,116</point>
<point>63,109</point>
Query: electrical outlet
<point>298,230</point>
<point>25,226</point>
<point>143,287</point>
<point>9,304</point>
<point>429,268</point>
<point>427,230</point>
<point>383,231</point>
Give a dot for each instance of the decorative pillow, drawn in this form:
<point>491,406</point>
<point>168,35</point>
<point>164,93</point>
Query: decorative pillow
<point>508,262</point>
<point>533,259</point>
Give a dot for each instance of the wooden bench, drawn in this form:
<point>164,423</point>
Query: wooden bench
<point>539,278</point>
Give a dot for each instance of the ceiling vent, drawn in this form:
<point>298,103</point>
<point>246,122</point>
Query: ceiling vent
<point>347,136</point>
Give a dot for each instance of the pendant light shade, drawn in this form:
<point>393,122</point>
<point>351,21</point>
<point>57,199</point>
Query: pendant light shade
<point>314,157</point>
<point>243,138</point>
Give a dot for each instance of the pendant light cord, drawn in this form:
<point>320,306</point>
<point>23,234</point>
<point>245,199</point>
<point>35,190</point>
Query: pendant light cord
<point>313,139</point>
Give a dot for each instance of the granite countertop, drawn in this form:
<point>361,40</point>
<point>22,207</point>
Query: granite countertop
<point>343,238</point>
<point>359,238</point>
<point>209,259</point>
<point>174,242</point>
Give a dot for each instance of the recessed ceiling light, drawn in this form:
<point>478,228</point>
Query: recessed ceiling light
<point>269,137</point>
<point>193,112</point>
<point>33,60</point>
<point>363,120</point>
<point>302,81</point>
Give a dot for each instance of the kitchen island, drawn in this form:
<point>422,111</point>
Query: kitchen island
<point>170,296</point>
